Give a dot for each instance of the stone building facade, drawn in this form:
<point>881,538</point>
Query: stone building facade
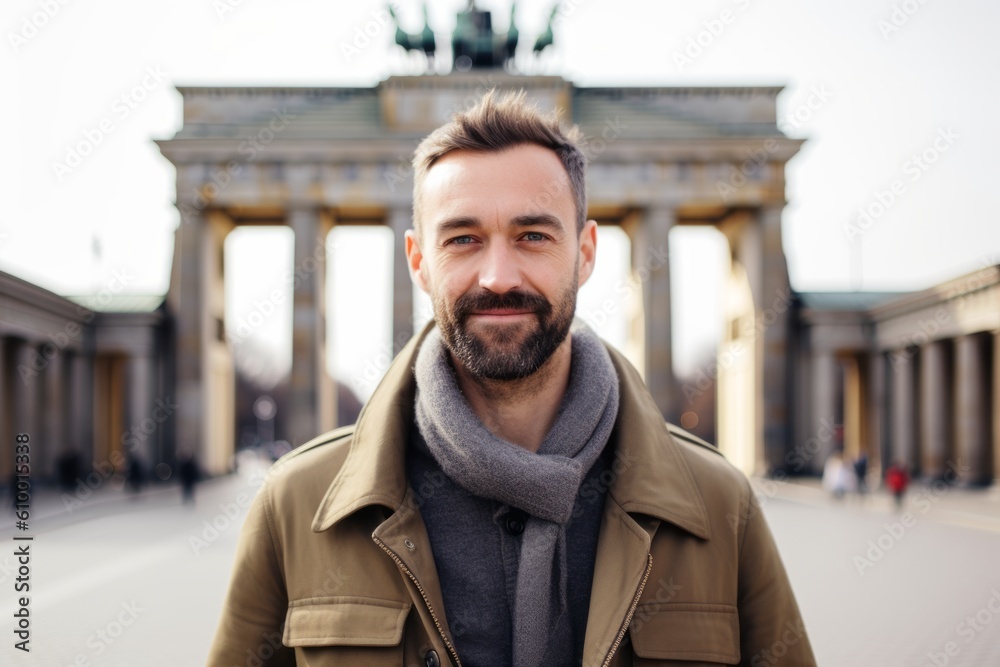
<point>913,378</point>
<point>92,376</point>
<point>798,376</point>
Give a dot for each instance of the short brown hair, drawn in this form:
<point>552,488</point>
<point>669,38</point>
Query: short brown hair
<point>498,122</point>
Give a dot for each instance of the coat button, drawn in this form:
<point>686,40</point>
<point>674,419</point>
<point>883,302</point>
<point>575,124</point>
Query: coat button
<point>515,522</point>
<point>431,659</point>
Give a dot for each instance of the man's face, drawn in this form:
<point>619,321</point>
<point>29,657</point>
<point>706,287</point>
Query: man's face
<point>500,257</point>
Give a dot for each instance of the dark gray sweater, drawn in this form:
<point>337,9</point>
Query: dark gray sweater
<point>476,545</point>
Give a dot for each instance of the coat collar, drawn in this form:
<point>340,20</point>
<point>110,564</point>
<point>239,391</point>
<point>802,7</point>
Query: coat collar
<point>650,474</point>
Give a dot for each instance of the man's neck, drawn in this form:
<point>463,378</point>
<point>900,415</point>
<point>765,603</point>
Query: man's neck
<point>520,411</point>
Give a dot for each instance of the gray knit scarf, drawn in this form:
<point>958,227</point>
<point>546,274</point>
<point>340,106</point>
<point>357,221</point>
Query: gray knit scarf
<point>543,484</point>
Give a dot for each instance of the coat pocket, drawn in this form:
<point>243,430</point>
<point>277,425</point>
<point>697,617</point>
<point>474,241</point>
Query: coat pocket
<point>346,630</point>
<point>689,633</point>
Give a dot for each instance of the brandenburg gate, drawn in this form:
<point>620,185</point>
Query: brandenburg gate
<point>315,158</point>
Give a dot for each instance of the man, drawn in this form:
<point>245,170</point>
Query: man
<point>510,494</point>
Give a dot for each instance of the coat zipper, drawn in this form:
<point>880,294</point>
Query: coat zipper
<point>631,611</point>
<point>437,624</point>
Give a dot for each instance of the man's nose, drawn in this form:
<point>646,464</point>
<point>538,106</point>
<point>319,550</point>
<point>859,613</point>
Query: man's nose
<point>499,271</point>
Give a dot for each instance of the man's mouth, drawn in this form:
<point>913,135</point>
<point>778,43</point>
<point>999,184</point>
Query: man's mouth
<point>503,311</point>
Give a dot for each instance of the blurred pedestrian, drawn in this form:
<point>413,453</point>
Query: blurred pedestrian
<point>135,477</point>
<point>897,478</point>
<point>68,466</point>
<point>838,477</point>
<point>861,472</point>
<point>188,471</point>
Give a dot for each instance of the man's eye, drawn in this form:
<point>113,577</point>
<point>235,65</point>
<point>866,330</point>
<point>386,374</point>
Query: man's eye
<point>534,236</point>
<point>462,240</point>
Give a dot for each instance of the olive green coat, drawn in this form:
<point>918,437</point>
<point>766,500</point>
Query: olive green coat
<point>334,565</point>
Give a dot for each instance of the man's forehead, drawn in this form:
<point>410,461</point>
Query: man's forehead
<point>520,160</point>
<point>528,178</point>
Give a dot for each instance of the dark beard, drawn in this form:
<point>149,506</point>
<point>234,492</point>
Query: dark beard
<point>495,358</point>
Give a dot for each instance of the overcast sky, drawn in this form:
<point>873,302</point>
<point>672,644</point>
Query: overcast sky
<point>902,122</point>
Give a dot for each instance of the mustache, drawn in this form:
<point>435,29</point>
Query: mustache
<point>470,302</point>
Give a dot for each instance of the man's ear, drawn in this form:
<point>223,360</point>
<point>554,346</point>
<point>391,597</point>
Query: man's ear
<point>415,261</point>
<point>588,250</point>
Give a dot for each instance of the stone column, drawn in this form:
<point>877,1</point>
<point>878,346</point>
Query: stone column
<point>824,409</point>
<point>312,405</point>
<point>875,408</point>
<point>772,306</point>
<point>903,405</point>
<point>191,321</point>
<point>28,366</point>
<point>853,394</point>
<point>81,407</point>
<point>650,261</point>
<point>971,410</point>
<point>996,406</point>
<point>141,426</point>
<point>7,382</point>
<point>935,405</point>
<point>402,287</point>
<point>53,415</point>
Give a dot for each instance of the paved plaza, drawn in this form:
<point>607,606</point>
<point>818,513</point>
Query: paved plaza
<point>122,582</point>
